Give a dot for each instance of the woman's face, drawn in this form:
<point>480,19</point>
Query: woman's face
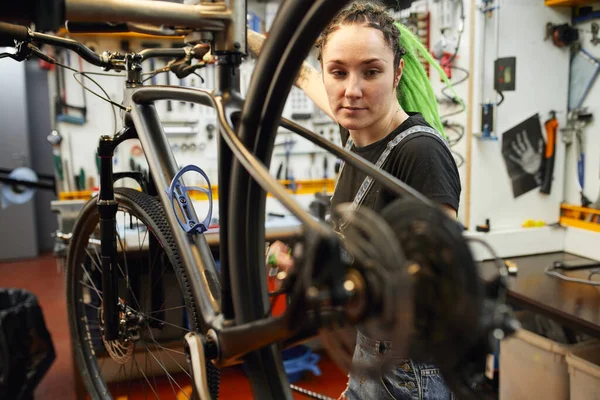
<point>359,76</point>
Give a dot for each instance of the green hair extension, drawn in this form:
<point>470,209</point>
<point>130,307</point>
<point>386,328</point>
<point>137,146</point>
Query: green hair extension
<point>415,92</point>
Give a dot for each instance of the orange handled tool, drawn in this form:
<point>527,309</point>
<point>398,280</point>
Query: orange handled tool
<point>551,126</point>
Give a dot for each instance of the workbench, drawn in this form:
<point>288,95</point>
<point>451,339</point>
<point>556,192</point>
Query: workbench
<point>573,305</point>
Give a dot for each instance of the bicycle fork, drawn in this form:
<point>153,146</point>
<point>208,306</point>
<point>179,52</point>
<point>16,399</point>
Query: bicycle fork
<point>107,208</point>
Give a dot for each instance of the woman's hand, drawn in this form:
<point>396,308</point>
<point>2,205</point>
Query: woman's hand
<point>279,259</point>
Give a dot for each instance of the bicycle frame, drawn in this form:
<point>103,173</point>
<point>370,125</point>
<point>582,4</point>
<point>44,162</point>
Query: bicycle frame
<point>144,120</point>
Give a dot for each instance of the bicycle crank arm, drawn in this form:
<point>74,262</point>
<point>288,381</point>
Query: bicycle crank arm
<point>194,349</point>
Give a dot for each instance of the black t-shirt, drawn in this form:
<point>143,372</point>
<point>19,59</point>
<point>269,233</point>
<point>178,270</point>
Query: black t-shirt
<point>420,160</point>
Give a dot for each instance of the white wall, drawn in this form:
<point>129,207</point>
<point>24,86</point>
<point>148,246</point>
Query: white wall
<point>521,34</point>
<point>541,86</point>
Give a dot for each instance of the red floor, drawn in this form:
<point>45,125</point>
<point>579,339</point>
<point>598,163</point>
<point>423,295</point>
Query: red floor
<point>40,276</point>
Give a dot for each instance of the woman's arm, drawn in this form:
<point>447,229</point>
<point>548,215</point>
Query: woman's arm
<point>309,79</point>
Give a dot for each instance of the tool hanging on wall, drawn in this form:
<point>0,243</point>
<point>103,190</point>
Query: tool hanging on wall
<point>577,119</point>
<point>547,168</point>
<point>488,9</point>
<point>562,35</point>
<point>446,49</point>
<point>595,31</point>
<point>583,72</point>
<point>62,107</point>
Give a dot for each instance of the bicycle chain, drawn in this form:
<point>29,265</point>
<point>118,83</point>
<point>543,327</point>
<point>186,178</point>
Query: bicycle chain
<point>310,394</point>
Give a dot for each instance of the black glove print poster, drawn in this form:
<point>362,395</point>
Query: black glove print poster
<point>523,150</point>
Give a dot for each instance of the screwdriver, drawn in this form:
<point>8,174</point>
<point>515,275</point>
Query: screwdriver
<point>551,126</point>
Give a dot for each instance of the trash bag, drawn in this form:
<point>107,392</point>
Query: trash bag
<point>26,349</point>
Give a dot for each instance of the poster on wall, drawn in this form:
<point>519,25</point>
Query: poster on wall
<point>523,151</point>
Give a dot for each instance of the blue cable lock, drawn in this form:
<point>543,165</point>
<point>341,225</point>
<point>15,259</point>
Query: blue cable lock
<point>179,192</point>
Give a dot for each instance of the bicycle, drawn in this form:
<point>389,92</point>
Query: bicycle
<point>227,315</point>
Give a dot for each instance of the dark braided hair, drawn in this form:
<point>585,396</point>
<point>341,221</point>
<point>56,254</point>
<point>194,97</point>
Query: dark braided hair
<point>374,15</point>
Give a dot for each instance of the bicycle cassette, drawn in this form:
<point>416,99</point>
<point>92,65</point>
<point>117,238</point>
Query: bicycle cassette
<point>371,249</point>
<point>448,294</point>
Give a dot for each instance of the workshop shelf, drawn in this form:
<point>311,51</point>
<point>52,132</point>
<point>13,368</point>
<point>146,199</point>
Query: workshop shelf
<point>306,186</point>
<point>570,3</point>
<point>77,195</point>
<point>580,217</point>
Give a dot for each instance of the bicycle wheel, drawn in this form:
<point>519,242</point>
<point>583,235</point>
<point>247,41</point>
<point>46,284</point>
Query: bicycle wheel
<point>156,305</point>
<point>288,45</point>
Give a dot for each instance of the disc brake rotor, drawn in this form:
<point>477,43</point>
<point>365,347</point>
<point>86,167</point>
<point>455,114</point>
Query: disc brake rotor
<point>120,350</point>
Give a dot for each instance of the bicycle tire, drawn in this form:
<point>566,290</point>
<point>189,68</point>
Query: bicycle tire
<point>149,211</point>
<point>277,65</point>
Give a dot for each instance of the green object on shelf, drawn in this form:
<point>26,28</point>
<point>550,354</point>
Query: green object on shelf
<point>59,167</point>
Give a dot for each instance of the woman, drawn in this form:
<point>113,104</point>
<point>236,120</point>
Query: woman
<point>372,87</point>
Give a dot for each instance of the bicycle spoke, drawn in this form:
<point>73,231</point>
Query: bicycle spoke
<point>145,377</point>
<point>160,365</point>
<point>166,348</point>
<point>167,323</point>
<point>91,306</point>
<point>167,309</point>
<point>158,279</point>
<point>92,259</point>
<point>91,287</point>
<point>153,375</point>
<point>91,281</point>
<point>98,258</point>
<point>169,376</point>
<point>144,238</point>
<point>163,303</point>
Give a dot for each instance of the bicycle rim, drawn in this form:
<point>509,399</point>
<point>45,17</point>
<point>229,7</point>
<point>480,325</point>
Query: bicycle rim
<point>149,360</point>
<point>247,214</point>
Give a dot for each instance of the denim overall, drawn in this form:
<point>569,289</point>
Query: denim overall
<point>381,373</point>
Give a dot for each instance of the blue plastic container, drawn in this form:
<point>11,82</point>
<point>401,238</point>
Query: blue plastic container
<point>296,361</point>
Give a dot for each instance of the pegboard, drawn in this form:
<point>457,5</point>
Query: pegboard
<point>191,128</point>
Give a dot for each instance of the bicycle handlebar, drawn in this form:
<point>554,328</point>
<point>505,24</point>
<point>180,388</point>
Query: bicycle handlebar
<point>9,33</point>
<point>85,52</point>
